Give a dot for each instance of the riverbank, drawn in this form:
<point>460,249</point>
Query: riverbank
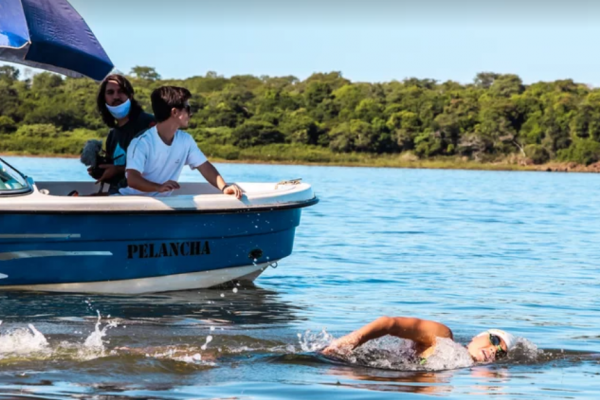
<point>405,160</point>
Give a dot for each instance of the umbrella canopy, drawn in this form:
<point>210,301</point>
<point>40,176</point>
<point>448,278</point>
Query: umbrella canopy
<point>51,35</point>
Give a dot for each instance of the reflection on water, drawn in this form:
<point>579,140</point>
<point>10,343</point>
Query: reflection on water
<point>489,379</point>
<point>393,381</point>
<point>229,306</point>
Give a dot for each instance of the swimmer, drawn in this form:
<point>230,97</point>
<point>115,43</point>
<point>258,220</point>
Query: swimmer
<point>486,347</point>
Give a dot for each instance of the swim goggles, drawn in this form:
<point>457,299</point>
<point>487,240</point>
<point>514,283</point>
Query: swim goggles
<point>496,342</point>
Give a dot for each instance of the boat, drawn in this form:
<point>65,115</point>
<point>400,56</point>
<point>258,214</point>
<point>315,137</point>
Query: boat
<point>199,238</point>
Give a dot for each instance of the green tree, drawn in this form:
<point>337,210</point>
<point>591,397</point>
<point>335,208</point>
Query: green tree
<point>485,79</point>
<point>37,131</point>
<point>369,109</point>
<point>46,83</point>
<point>146,73</point>
<point>299,127</point>
<point>586,122</point>
<point>316,93</point>
<point>406,126</point>
<point>7,124</point>
<point>254,133</point>
<point>582,151</point>
<point>355,135</point>
<point>9,73</point>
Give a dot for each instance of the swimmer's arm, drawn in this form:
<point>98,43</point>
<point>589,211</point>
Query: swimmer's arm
<point>422,332</point>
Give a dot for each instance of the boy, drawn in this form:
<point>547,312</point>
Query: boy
<point>156,158</point>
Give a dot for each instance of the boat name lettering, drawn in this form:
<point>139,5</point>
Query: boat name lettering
<point>170,249</point>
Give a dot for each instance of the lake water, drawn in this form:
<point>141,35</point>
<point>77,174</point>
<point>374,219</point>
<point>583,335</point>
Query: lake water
<point>474,250</point>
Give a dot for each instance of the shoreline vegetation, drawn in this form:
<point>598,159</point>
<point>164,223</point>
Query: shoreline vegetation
<point>494,123</point>
<point>408,161</point>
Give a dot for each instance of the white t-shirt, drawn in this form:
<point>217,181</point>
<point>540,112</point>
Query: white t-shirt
<point>159,162</point>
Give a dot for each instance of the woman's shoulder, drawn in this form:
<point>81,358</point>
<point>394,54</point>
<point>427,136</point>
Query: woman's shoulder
<point>145,121</point>
<point>147,118</point>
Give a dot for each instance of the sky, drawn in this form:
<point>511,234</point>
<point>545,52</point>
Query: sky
<point>368,40</point>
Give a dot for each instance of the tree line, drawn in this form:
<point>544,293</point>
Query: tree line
<point>493,118</point>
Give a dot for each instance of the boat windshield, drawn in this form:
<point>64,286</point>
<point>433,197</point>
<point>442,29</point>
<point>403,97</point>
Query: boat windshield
<point>11,181</point>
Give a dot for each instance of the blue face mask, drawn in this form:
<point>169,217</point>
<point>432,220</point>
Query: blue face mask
<point>120,111</point>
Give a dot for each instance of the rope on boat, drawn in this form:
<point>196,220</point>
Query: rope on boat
<point>289,182</point>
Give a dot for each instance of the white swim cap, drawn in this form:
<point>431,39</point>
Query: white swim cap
<point>509,339</point>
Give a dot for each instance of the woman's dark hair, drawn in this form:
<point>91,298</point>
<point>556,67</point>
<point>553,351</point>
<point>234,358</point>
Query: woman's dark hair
<point>125,85</point>
<point>165,98</point>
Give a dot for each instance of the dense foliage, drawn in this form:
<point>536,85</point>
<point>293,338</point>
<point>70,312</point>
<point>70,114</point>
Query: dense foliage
<point>493,118</point>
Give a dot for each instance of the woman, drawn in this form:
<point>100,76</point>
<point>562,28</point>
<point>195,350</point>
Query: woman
<point>487,346</point>
<point>126,118</point>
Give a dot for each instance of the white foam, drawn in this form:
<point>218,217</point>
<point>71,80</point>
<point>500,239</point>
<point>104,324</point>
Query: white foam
<point>397,354</point>
<point>208,340</point>
<point>22,342</point>
<point>33,344</point>
<point>93,347</point>
<point>313,342</point>
<point>393,353</point>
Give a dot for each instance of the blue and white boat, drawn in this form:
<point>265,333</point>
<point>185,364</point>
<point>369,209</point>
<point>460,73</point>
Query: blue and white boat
<point>134,244</point>
<point>125,244</point>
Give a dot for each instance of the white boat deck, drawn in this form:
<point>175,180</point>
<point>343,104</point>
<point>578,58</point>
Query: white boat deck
<point>52,197</point>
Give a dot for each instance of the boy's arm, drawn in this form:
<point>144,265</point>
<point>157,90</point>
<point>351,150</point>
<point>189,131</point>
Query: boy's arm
<point>137,153</point>
<point>135,180</point>
<point>212,176</point>
<point>197,160</point>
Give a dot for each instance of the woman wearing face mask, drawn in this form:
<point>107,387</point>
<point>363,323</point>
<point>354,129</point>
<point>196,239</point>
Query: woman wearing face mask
<point>121,112</point>
<point>487,346</point>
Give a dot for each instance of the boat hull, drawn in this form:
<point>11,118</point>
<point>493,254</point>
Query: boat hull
<point>187,281</point>
<point>140,252</point>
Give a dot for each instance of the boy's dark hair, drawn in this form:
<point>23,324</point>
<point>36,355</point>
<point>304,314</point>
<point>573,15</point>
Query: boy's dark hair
<point>125,85</point>
<point>165,98</point>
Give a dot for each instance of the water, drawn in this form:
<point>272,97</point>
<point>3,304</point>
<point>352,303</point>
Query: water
<point>514,250</point>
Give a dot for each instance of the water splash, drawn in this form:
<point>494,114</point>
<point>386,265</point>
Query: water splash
<point>314,342</point>
<point>93,347</point>
<point>23,342</point>
<point>526,352</point>
<point>397,354</point>
<point>208,340</point>
<point>31,344</point>
<point>401,355</point>
<point>185,355</point>
<point>448,355</point>
<point>384,353</point>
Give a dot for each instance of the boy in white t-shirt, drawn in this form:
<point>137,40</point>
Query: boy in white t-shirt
<point>156,158</point>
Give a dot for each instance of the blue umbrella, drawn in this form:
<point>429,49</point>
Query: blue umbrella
<point>51,35</point>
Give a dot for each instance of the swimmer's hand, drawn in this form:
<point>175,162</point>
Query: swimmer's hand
<point>343,345</point>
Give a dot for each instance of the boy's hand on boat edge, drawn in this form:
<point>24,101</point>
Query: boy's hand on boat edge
<point>168,186</point>
<point>233,190</point>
